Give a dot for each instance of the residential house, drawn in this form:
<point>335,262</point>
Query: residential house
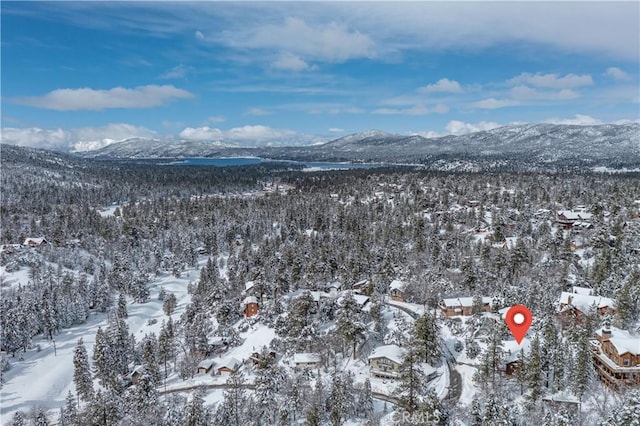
<point>35,242</point>
<point>511,353</point>
<point>463,306</point>
<point>256,357</point>
<point>616,356</point>
<point>567,218</point>
<point>362,287</point>
<point>306,360</point>
<point>218,345</point>
<point>574,306</point>
<point>385,361</point>
<point>228,366</point>
<point>396,290</point>
<point>360,299</point>
<point>250,306</point>
<point>135,374</point>
<point>333,288</point>
<point>205,366</point>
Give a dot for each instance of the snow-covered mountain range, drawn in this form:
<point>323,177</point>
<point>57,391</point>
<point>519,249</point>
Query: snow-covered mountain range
<point>602,145</point>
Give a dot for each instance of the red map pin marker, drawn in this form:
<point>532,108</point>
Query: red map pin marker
<point>518,320</point>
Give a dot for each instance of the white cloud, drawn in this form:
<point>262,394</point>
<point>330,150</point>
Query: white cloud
<point>456,127</point>
<point>577,120</point>
<point>493,103</point>
<point>336,130</point>
<point>528,93</point>
<point>419,109</point>
<point>244,135</point>
<point>205,133</point>
<point>216,119</point>
<point>443,85</point>
<point>95,100</point>
<point>331,42</point>
<point>291,62</point>
<point>199,35</point>
<point>257,133</point>
<point>257,112</point>
<point>552,80</point>
<point>616,73</point>
<point>177,72</point>
<point>76,139</point>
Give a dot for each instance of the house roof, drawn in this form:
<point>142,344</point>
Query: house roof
<point>392,352</point>
<point>230,363</point>
<point>573,215</point>
<point>456,302</point>
<point>583,302</point>
<point>206,363</point>
<point>360,299</point>
<point>306,358</point>
<point>622,340</point>
<point>34,240</point>
<point>624,345</point>
<point>396,285</point>
<point>335,284</point>
<point>512,349</point>
<point>582,290</point>
<point>250,299</point>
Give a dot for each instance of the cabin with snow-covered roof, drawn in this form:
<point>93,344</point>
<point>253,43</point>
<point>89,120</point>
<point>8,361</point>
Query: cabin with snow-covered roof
<point>250,306</point>
<point>385,361</point>
<point>396,290</point>
<point>306,360</point>
<point>616,355</point>
<point>463,306</point>
<point>573,307</point>
<point>35,242</point>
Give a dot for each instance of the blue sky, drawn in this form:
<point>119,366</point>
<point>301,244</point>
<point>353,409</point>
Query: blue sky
<point>78,75</point>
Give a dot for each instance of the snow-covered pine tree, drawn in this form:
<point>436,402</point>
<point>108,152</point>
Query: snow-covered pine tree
<point>82,372</point>
<point>426,339</point>
<point>412,383</point>
<point>349,323</point>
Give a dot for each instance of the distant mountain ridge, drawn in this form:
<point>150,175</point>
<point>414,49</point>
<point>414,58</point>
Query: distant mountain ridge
<point>616,145</point>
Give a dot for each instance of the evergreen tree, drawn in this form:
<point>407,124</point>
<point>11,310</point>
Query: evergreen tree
<point>69,415</point>
<point>122,306</point>
<point>19,419</point>
<point>82,372</point>
<point>426,339</point>
<point>412,383</point>
<point>232,409</point>
<point>337,401</point>
<point>534,370</point>
<point>626,412</point>
<point>432,411</point>
<point>349,323</point>
<point>582,371</point>
<point>475,415</point>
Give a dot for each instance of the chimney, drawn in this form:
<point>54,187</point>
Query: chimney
<point>606,332</point>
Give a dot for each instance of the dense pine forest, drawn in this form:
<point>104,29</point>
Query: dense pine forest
<point>114,230</point>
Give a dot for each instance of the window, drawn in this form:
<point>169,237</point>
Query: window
<point>626,362</point>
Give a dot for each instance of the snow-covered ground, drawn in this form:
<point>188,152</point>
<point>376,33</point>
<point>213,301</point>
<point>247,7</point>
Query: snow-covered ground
<point>43,375</point>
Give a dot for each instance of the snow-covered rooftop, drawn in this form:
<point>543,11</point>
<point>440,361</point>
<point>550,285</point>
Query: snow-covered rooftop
<point>396,285</point>
<point>622,340</point>
<point>250,299</point>
<point>512,349</point>
<point>584,301</point>
<point>393,352</point>
<point>582,290</point>
<point>455,302</point>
